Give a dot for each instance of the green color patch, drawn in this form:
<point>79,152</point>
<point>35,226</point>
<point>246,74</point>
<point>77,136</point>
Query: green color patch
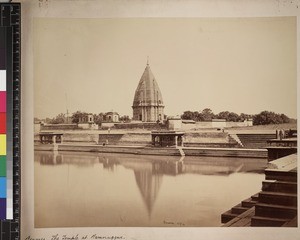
<point>2,166</point>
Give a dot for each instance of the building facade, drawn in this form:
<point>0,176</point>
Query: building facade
<point>112,117</point>
<point>148,104</point>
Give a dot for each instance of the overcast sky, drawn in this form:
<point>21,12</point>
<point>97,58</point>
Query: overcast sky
<point>94,65</point>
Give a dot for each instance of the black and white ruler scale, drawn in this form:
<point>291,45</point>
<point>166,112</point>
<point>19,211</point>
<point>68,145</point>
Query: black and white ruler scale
<point>10,24</point>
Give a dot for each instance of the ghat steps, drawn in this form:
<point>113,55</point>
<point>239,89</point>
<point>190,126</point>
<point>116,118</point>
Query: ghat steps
<point>254,140</point>
<point>275,205</point>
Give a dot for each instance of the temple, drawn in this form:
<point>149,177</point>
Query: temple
<point>148,104</point>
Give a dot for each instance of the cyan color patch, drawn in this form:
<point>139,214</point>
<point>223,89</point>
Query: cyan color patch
<point>2,187</point>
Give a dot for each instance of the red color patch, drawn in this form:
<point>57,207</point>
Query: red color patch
<point>2,122</point>
<point>2,101</point>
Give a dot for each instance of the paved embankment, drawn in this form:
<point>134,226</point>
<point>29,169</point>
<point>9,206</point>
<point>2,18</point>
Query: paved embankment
<point>142,150</point>
<point>213,139</point>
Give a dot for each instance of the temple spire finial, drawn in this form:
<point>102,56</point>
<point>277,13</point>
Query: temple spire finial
<point>147,60</point>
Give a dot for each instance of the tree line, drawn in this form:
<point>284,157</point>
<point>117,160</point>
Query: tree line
<point>75,117</point>
<point>262,118</point>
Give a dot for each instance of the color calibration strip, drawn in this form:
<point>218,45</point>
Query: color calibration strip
<point>3,144</point>
<point>10,67</point>
<point>6,122</point>
<point>3,170</point>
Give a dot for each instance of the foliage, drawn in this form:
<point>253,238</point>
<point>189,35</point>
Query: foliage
<point>266,117</point>
<point>98,119</point>
<point>124,118</point>
<point>262,118</point>
<point>60,118</point>
<point>77,115</point>
<point>204,115</point>
<point>229,116</point>
<point>207,114</point>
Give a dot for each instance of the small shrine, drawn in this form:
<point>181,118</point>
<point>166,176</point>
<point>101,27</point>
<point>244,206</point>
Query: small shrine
<point>167,138</point>
<point>51,138</point>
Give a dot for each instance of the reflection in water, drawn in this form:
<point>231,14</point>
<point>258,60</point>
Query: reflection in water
<point>108,164</point>
<point>149,185</point>
<point>148,172</point>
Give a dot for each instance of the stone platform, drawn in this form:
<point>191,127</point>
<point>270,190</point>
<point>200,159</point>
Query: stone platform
<point>275,205</point>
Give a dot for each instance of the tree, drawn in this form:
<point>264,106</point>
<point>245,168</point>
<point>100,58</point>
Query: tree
<point>244,116</point>
<point>207,114</point>
<point>60,118</point>
<point>124,118</point>
<point>223,115</point>
<point>99,118</point>
<point>77,115</point>
<point>188,115</point>
<point>233,117</point>
<point>266,117</point>
<point>229,116</point>
<point>285,119</point>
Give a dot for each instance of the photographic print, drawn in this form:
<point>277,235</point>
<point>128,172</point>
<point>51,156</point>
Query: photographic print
<point>165,122</point>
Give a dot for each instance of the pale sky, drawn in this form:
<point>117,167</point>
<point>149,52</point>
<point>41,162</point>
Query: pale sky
<point>239,64</point>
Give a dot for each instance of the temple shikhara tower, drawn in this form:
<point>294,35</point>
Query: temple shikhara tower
<point>148,104</point>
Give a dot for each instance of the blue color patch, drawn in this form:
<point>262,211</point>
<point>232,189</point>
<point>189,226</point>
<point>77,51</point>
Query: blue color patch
<point>2,187</point>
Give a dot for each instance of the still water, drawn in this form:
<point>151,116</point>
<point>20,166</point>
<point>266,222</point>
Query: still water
<point>74,189</point>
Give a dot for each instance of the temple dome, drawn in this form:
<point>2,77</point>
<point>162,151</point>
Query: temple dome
<point>148,103</point>
<point>147,92</point>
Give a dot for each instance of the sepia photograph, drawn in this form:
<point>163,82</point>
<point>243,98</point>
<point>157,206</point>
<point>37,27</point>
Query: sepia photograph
<point>165,122</point>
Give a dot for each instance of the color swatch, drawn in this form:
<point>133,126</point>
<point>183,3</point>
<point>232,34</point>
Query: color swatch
<point>6,123</point>
<point>3,204</point>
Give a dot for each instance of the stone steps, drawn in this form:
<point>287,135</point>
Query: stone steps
<point>286,199</point>
<point>181,151</point>
<point>279,186</point>
<point>275,211</point>
<point>242,220</point>
<point>248,204</point>
<point>211,145</point>
<point>239,209</point>
<point>222,152</point>
<point>291,223</point>
<point>227,216</point>
<point>257,221</point>
<point>255,140</point>
<point>282,176</point>
<point>235,138</point>
<point>276,204</point>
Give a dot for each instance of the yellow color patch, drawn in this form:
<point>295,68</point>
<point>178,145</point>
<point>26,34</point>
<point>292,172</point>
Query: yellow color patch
<point>2,144</point>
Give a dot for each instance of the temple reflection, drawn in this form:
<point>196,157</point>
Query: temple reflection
<point>149,185</point>
<point>149,170</point>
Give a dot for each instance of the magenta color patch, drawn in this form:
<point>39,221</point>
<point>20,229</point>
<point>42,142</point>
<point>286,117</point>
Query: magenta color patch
<point>2,101</point>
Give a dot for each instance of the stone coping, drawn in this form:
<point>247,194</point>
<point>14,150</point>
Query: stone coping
<point>286,164</point>
<point>167,132</point>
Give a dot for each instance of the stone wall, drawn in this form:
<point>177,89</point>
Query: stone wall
<point>50,127</point>
<point>80,137</point>
<point>108,138</point>
<point>212,139</point>
<point>141,125</point>
<point>203,125</point>
<point>206,137</point>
